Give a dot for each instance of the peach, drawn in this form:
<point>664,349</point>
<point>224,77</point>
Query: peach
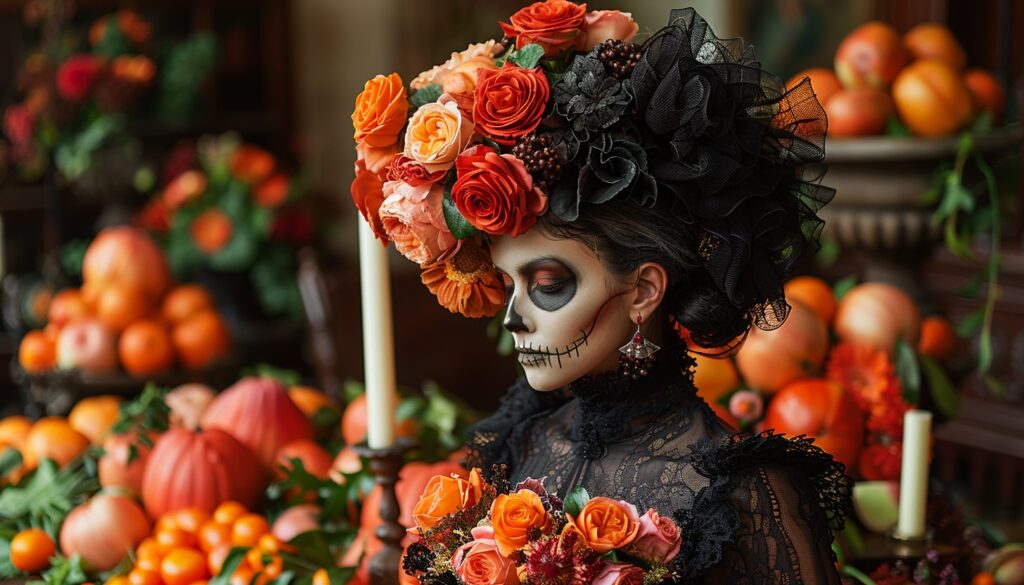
<point>931,98</point>
<point>858,112</point>
<point>823,81</point>
<point>934,41</point>
<point>870,56</point>
<point>987,94</point>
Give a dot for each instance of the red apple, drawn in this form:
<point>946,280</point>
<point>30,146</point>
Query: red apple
<point>870,56</point>
<point>87,345</point>
<point>187,403</point>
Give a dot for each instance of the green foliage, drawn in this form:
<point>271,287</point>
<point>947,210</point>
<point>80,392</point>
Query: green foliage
<point>528,57</point>
<point>64,571</point>
<point>427,95</point>
<point>843,286</point>
<point>182,76</point>
<point>575,500</point>
<point>231,563</point>
<point>940,387</point>
<point>45,497</point>
<point>74,152</point>
<point>10,459</point>
<point>286,377</point>
<point>72,254</point>
<point>147,412</point>
<point>457,224</point>
<point>112,43</point>
<point>908,371</point>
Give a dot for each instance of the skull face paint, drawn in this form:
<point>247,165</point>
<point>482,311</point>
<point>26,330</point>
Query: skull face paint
<point>567,313</point>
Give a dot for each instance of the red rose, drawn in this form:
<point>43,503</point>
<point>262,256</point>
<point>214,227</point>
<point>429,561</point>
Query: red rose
<point>554,25</point>
<point>368,193</point>
<point>509,102</point>
<point>495,193</point>
<point>76,77</point>
<point>406,170</point>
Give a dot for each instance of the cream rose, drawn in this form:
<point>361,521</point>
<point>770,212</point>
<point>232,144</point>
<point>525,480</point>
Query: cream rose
<point>480,54</point>
<point>437,134</point>
<point>414,221</point>
<point>602,25</point>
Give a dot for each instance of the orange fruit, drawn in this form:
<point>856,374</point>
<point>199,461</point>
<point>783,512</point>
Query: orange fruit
<point>823,81</point>
<point>90,293</point>
<point>937,339</point>
<point>93,416</point>
<point>120,305</point>
<point>269,543</point>
<point>53,438</point>
<point>14,430</point>
<point>714,377</point>
<point>215,558</point>
<point>353,423</point>
<point>211,231</point>
<point>814,293</point>
<point>987,93</point>
<point>857,112</point>
<point>248,529</point>
<point>149,563</point>
<point>37,352</point>
<point>870,56</point>
<point>201,340</point>
<point>310,400</point>
<point>66,306</point>
<point>228,512</point>
<point>191,519</point>
<point>932,98</point>
<point>931,40</point>
<point>118,580</point>
<point>140,576</point>
<point>183,566</point>
<point>321,577</point>
<point>184,301</point>
<point>31,550</point>
<point>145,348</point>
<point>213,534</point>
<point>172,538</point>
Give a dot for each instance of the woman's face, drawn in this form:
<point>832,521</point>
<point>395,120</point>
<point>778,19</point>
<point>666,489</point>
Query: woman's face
<point>567,313</point>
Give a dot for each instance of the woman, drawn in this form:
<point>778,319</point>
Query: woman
<point>627,197</point>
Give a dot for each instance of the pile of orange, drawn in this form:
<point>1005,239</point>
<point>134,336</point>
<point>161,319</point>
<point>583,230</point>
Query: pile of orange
<point>127,313</point>
<point>921,77</point>
<point>189,546</point>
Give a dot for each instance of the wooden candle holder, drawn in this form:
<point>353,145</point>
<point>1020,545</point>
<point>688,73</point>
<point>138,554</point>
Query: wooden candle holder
<point>385,466</point>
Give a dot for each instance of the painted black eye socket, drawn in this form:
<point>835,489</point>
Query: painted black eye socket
<point>553,296</point>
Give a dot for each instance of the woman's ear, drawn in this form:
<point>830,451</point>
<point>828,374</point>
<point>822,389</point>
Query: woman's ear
<point>651,283</point>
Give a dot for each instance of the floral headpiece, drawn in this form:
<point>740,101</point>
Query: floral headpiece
<point>564,112</point>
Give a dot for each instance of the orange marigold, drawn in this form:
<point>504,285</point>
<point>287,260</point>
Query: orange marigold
<point>467,283</point>
<point>867,373</point>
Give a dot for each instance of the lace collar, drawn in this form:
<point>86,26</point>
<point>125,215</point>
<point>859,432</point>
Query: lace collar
<point>610,407</point>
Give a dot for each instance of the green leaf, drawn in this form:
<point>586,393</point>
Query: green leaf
<point>575,500</point>
<point>352,389</point>
<point>314,546</point>
<point>10,459</point>
<point>45,497</point>
<point>65,571</point>
<point>983,123</point>
<point>896,128</point>
<point>610,557</point>
<point>828,253</point>
<point>457,224</point>
<point>231,563</point>
<point>425,95</point>
<point>940,387</point>
<point>843,286</point>
<point>984,351</point>
<point>282,375</point>
<point>972,289</point>
<point>857,575</point>
<point>908,371</point>
<point>995,386</point>
<point>528,57</point>
<point>970,324</point>
<point>325,418</point>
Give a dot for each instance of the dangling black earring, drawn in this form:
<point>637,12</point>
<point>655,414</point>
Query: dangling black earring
<point>637,355</point>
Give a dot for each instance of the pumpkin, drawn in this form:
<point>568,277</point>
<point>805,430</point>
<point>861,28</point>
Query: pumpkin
<point>412,481</point>
<point>258,412</point>
<point>823,411</point>
<point>117,468</point>
<point>93,416</point>
<point>104,530</point>
<point>876,314</point>
<point>125,255</point>
<point>201,469</point>
<point>769,360</point>
<point>53,438</point>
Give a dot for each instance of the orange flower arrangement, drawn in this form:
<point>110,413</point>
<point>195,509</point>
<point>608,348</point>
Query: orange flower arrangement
<point>515,517</point>
<point>379,115</point>
<point>467,283</point>
<point>866,372</point>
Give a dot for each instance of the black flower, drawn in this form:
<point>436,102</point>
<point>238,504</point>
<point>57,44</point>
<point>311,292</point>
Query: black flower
<point>589,98</point>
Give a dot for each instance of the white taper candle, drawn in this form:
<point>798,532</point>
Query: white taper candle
<point>917,432</point>
<point>378,339</point>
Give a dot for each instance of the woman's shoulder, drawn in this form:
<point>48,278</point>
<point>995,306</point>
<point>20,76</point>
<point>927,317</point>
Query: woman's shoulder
<point>493,441</point>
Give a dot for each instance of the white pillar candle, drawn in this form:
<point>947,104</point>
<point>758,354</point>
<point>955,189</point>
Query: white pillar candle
<point>378,339</point>
<point>917,431</point>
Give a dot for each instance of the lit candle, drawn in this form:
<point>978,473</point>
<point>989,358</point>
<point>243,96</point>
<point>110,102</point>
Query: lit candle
<point>917,430</point>
<point>378,339</point>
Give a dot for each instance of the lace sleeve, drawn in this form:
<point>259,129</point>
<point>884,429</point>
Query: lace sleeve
<point>772,504</point>
<point>498,439</point>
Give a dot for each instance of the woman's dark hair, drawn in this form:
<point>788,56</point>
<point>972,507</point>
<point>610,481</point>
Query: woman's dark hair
<point>625,235</point>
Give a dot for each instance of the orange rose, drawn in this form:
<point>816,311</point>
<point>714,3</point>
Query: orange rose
<point>443,496</point>
<point>251,164</point>
<point>509,102</point>
<point>495,192</point>
<point>606,524</point>
<point>514,517</point>
<point>554,25</point>
<point>368,195</point>
<point>380,111</point>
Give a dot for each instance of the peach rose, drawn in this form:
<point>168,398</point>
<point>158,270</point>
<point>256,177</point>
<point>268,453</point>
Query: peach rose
<point>514,517</point>
<point>553,24</point>
<point>603,25</point>
<point>414,221</point>
<point>376,159</point>
<point>403,168</point>
<point>480,561</point>
<point>658,539</point>
<point>444,495</point>
<point>475,55</point>
<point>437,134</point>
<point>368,195</point>
<point>380,112</point>
<point>606,524</point>
<point>619,574</point>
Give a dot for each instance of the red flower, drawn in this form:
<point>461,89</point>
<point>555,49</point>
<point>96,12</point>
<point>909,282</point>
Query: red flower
<point>368,194</point>
<point>211,231</point>
<point>273,191</point>
<point>251,164</point>
<point>554,25</point>
<point>866,373</point>
<point>76,77</point>
<point>410,172</point>
<point>881,461</point>
<point>495,193</point>
<point>155,217</point>
<point>509,102</point>
<point>19,124</point>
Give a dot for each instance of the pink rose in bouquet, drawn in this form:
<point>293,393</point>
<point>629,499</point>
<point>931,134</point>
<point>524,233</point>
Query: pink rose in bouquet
<point>619,574</point>
<point>414,221</point>
<point>603,25</point>
<point>480,563</point>
<point>658,539</point>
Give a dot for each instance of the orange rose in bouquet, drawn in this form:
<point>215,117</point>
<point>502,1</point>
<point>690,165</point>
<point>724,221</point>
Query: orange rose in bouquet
<point>443,496</point>
<point>606,524</point>
<point>555,25</point>
<point>509,102</point>
<point>515,517</point>
<point>380,111</point>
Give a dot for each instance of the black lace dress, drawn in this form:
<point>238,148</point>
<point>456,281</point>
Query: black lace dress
<point>753,509</point>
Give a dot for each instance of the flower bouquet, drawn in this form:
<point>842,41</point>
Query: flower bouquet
<point>474,533</point>
<point>230,207</point>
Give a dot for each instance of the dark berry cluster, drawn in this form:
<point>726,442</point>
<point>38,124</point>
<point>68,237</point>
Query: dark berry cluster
<point>619,58</point>
<point>540,157</point>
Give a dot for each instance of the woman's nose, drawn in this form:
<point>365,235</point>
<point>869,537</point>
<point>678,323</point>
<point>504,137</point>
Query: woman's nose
<point>513,320</point>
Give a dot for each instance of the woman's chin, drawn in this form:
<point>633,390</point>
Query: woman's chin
<point>545,381</point>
